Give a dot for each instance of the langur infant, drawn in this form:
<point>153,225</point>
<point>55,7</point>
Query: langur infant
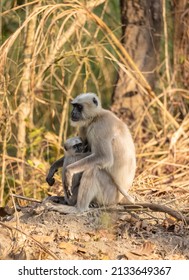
<point>74,150</point>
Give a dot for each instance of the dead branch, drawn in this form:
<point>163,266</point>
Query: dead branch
<point>158,208</point>
<point>26,198</point>
<point>39,244</point>
<point>134,207</point>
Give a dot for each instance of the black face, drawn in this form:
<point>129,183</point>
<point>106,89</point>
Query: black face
<point>79,148</point>
<point>76,114</point>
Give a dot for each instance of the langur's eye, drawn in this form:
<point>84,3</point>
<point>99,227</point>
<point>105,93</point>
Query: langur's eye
<point>79,145</point>
<point>75,146</point>
<point>79,107</point>
<point>95,101</point>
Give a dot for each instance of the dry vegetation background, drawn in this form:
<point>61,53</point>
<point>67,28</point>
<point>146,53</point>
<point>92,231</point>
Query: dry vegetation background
<point>50,51</point>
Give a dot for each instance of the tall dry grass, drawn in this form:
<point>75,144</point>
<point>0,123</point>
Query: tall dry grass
<point>56,52</point>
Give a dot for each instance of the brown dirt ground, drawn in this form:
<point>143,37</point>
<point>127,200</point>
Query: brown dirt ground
<point>100,234</point>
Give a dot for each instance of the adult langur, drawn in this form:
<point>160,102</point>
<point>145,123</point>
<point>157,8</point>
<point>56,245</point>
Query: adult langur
<point>109,170</point>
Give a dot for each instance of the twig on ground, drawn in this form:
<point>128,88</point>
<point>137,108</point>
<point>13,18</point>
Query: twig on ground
<point>158,208</point>
<point>26,198</point>
<point>134,207</point>
<point>31,238</point>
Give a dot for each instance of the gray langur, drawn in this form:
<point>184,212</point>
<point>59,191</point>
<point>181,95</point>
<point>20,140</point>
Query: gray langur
<point>109,170</point>
<point>74,150</point>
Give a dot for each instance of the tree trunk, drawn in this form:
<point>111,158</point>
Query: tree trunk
<point>181,42</point>
<point>1,35</point>
<point>26,99</point>
<point>141,26</point>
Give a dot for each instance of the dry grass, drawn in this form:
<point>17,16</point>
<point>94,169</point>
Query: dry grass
<point>39,85</point>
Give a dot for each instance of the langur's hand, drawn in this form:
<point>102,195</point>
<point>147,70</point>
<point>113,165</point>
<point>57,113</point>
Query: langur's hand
<point>68,181</point>
<point>50,180</point>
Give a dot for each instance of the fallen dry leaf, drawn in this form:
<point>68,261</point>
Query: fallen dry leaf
<point>147,248</point>
<point>43,238</point>
<point>68,247</point>
<point>104,235</point>
<point>168,222</point>
<point>132,256</point>
<point>82,250</point>
<point>74,235</point>
<point>86,237</point>
<point>103,255</point>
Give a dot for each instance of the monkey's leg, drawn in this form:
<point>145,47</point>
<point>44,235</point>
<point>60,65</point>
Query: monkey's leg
<point>72,200</point>
<point>108,193</point>
<point>95,185</point>
<point>67,199</point>
<point>88,189</point>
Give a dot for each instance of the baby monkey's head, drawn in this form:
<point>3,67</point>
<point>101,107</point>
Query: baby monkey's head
<point>74,146</point>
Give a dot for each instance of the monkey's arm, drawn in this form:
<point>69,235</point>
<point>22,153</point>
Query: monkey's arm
<point>54,168</point>
<point>76,180</point>
<point>101,156</point>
